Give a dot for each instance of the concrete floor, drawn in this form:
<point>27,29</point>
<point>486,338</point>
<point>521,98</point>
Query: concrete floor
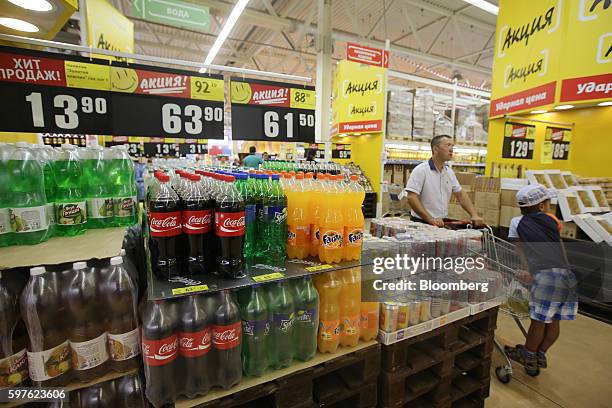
<point>579,372</point>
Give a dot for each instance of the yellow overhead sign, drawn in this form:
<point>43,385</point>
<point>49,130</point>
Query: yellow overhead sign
<point>358,104</point>
<point>108,29</point>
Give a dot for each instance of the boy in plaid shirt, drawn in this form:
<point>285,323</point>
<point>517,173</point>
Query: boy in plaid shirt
<point>553,290</point>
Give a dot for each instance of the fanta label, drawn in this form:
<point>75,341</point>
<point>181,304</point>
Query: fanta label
<point>354,237</point>
<point>329,330</point>
<point>331,239</point>
<point>298,235</point>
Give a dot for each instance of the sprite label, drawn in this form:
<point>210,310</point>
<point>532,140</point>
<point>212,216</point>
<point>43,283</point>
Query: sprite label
<point>71,213</point>
<point>100,208</point>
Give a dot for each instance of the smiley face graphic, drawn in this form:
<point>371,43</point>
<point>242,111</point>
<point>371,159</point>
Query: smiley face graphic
<point>123,79</point>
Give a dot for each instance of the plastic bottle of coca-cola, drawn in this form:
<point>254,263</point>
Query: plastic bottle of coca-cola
<point>159,351</point>
<point>195,344</point>
<point>88,333</point>
<point>164,219</point>
<point>42,310</point>
<point>227,341</point>
<point>230,228</point>
<point>197,224</point>
<point>119,294</point>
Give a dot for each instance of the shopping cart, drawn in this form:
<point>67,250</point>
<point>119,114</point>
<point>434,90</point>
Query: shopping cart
<point>503,257</point>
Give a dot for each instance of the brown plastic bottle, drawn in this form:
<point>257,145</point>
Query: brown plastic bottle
<point>49,358</point>
<point>87,336</point>
<point>118,293</point>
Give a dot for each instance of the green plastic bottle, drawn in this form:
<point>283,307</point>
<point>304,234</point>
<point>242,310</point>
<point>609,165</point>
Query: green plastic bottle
<point>100,206</point>
<point>6,234</point>
<point>70,200</point>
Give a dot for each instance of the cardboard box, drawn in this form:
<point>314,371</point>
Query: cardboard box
<point>491,217</point>
<point>488,184</point>
<point>456,212</point>
<point>506,215</point>
<point>488,201</point>
<point>508,198</point>
<point>388,174</point>
<point>465,178</point>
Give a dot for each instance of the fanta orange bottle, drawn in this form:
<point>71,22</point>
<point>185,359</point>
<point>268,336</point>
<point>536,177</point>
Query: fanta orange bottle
<point>315,213</point>
<point>298,224</point>
<point>331,229</point>
<point>369,320</point>
<point>328,286</point>
<point>350,306</point>
<point>353,220</point>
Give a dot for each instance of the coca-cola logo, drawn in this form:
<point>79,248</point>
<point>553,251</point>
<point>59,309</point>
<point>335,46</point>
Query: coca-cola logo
<point>164,223</point>
<point>193,220</point>
<point>226,336</point>
<point>167,348</point>
<point>233,223</point>
<point>159,352</point>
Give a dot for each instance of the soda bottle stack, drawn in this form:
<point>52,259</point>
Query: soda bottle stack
<point>46,192</point>
<point>198,339</point>
<point>279,324</point>
<point>326,213</point>
<point>68,338</point>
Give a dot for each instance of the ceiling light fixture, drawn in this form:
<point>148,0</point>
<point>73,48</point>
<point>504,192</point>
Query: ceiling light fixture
<point>484,5</point>
<point>607,103</point>
<point>18,25</point>
<point>34,5</point>
<point>564,107</point>
<point>225,32</point>
<point>538,111</point>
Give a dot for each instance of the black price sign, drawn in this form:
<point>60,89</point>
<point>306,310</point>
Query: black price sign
<point>341,152</point>
<point>133,148</point>
<point>561,140</point>
<point>161,149</point>
<point>272,111</point>
<point>60,93</point>
<point>192,148</point>
<point>519,141</point>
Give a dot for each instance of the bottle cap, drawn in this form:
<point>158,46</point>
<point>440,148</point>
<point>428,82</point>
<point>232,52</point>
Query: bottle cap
<point>230,179</point>
<point>300,176</point>
<point>164,178</point>
<point>122,252</point>
<point>116,260</point>
<point>309,175</point>
<point>194,177</point>
<point>275,177</point>
<point>37,270</point>
<point>79,265</point>
<point>354,177</point>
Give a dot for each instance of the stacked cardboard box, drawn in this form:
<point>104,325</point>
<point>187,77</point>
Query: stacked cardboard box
<point>487,198</point>
<point>509,206</point>
<point>399,115</point>
<point>604,182</point>
<point>423,117</point>
<point>443,126</point>
<point>455,211</point>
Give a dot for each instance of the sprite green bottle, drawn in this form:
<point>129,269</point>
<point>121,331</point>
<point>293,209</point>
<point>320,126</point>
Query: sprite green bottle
<point>70,201</point>
<point>100,207</point>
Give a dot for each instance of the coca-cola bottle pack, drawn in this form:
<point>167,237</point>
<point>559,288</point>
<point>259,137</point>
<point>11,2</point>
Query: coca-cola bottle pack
<point>160,350</point>
<point>164,218</point>
<point>230,229</point>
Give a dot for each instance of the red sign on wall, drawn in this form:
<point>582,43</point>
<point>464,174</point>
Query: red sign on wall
<point>367,55</point>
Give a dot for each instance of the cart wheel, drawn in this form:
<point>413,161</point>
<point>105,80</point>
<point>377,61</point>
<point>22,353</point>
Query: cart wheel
<point>503,375</point>
<point>533,373</point>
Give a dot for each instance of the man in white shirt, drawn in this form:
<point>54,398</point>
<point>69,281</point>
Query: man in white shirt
<point>431,184</point>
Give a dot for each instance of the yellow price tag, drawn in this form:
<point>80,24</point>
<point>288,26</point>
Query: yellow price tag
<point>443,320</point>
<point>209,89</point>
<point>189,289</point>
<point>302,98</point>
<point>318,268</point>
<point>87,76</point>
<point>268,277</point>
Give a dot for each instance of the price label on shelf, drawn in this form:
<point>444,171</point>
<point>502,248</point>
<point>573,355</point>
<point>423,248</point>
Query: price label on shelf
<point>189,289</point>
<point>161,149</point>
<point>317,268</point>
<point>64,93</point>
<point>272,111</point>
<point>192,148</point>
<point>561,140</point>
<point>340,151</point>
<point>519,141</point>
<point>268,277</point>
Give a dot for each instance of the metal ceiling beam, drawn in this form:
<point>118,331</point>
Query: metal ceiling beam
<point>411,25</point>
<point>446,12</point>
<point>380,19</point>
<point>279,23</point>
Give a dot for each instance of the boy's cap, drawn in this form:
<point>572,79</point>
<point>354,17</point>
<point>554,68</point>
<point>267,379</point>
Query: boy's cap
<point>533,194</point>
